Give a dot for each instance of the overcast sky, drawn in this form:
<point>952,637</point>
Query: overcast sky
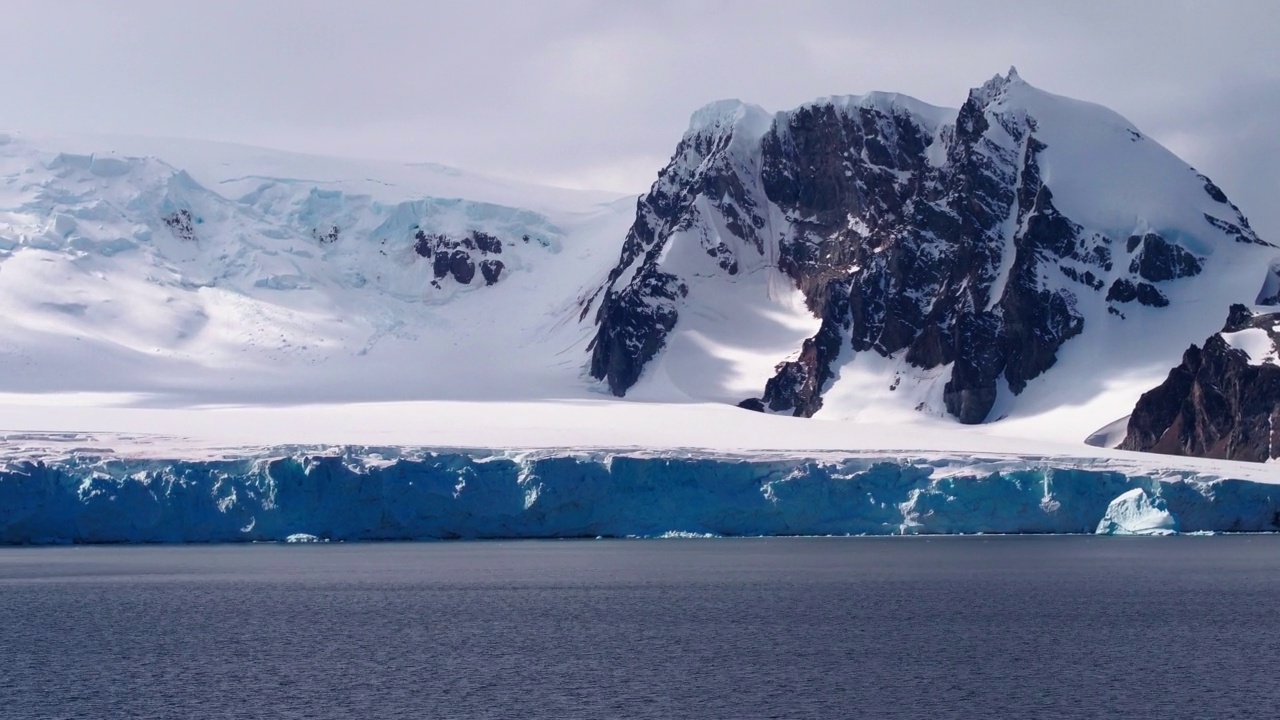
<point>596,94</point>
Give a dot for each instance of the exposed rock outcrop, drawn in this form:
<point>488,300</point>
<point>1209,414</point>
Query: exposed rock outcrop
<point>459,258</point>
<point>1222,401</point>
<point>182,224</point>
<point>705,176</point>
<point>1157,259</point>
<point>633,324</point>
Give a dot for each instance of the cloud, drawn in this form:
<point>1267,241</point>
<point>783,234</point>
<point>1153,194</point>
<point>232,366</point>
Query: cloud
<point>571,91</point>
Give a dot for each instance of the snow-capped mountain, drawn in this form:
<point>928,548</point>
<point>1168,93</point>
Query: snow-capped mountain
<point>880,257</point>
<point>216,273</point>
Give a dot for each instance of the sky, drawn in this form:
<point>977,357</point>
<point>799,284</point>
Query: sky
<point>596,94</point>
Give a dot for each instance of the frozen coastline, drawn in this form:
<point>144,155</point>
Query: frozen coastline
<point>365,493</point>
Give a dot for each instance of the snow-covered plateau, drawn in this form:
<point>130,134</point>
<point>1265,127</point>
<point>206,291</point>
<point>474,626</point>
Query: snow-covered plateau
<point>208,342</point>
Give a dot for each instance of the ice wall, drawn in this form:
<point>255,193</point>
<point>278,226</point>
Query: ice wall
<point>1137,512</point>
<point>370,494</point>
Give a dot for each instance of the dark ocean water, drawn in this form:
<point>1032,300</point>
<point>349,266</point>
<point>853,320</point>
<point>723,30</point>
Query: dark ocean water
<point>1002,627</point>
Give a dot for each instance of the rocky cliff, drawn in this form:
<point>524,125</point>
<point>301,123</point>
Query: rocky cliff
<point>1222,401</point>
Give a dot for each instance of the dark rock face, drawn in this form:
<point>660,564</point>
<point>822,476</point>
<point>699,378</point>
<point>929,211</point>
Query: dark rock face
<point>460,266</point>
<point>633,325</point>
<point>1214,191</point>
<point>491,270</point>
<point>182,224</point>
<point>972,389</point>
<point>916,272</point>
<point>798,384</point>
<point>1217,403</point>
<point>1242,232</point>
<point>1125,290</point>
<point>485,242</point>
<point>460,257</point>
<point>935,243</point>
<point>640,308</point>
<point>1158,260</point>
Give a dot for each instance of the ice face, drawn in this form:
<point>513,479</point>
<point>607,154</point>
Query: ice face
<point>1138,512</point>
<point>294,496</point>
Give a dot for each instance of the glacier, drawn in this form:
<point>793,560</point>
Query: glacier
<point>363,493</point>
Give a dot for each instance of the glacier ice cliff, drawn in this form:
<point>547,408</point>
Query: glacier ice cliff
<point>1137,512</point>
<point>388,494</point>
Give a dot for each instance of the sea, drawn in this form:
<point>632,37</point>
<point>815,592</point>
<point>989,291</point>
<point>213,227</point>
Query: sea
<point>908,627</point>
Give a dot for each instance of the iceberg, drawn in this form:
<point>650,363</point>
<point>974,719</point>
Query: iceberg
<point>361,493</point>
<point>1138,512</point>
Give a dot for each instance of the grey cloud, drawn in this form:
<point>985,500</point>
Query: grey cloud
<point>589,93</point>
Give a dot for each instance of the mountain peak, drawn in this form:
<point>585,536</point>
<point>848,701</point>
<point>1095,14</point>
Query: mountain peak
<point>995,88</point>
<point>723,114</point>
<point>965,253</point>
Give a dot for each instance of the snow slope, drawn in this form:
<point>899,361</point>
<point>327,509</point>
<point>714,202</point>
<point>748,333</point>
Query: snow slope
<point>1101,374</point>
<point>262,276</point>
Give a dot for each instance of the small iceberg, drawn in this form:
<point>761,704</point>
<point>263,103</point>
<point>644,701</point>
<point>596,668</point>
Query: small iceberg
<point>1137,512</point>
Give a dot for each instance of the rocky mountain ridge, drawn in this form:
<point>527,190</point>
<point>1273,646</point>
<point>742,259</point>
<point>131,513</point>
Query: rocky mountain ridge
<point>968,246</point>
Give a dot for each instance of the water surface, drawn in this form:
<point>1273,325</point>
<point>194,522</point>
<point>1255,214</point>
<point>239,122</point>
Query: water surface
<point>1051,627</point>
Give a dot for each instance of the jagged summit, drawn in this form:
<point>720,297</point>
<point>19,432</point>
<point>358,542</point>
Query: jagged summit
<point>900,258</point>
<point>995,88</point>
